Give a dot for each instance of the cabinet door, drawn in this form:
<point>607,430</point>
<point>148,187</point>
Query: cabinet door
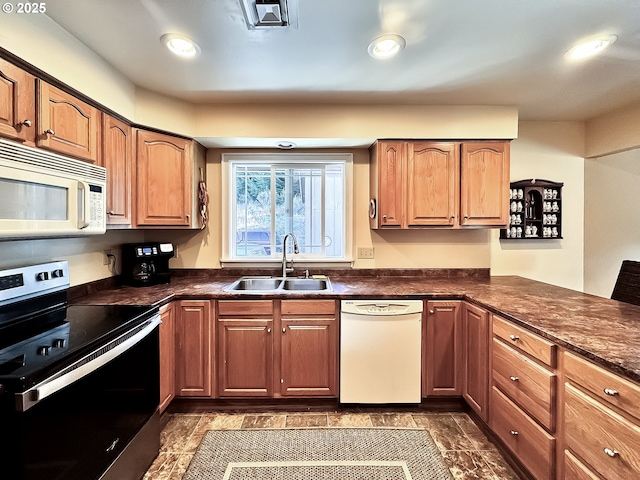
<point>485,184</point>
<point>432,184</point>
<point>309,357</point>
<point>245,358</point>
<point>442,355</point>
<point>167,356</point>
<point>66,124</point>
<point>117,157</point>
<point>164,180</point>
<point>193,349</point>
<point>17,103</point>
<point>391,164</point>
<point>475,328</point>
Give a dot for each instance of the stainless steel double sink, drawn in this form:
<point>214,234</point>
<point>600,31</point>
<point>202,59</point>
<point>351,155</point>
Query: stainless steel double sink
<point>279,285</point>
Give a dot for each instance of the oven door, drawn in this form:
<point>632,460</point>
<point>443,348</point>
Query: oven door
<point>82,430</point>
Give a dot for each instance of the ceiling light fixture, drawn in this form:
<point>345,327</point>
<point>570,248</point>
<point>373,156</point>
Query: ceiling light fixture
<point>386,46</point>
<point>180,45</point>
<point>590,47</point>
<point>286,145</point>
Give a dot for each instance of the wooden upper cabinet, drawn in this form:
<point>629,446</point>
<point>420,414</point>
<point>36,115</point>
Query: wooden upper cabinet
<point>67,125</point>
<point>164,180</point>
<point>117,157</point>
<point>418,184</point>
<point>391,160</point>
<point>485,184</point>
<point>432,184</point>
<point>17,103</point>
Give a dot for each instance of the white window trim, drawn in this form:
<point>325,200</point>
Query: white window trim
<point>287,157</point>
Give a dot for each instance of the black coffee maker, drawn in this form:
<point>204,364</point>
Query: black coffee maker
<point>145,264</point>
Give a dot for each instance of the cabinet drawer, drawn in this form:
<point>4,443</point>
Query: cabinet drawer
<point>605,385</point>
<point>574,469</point>
<point>534,345</point>
<point>531,386</point>
<point>608,441</point>
<point>527,440</point>
<point>245,308</point>
<point>308,307</point>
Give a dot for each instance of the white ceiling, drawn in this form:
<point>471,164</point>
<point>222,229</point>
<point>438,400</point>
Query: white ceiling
<point>459,52</point>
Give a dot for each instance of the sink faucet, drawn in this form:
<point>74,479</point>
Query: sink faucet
<point>286,269</point>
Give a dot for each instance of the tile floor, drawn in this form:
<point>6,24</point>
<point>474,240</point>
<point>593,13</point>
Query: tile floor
<point>466,450</point>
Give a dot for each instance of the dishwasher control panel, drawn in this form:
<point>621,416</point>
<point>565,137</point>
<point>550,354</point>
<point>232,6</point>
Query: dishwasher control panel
<point>377,307</point>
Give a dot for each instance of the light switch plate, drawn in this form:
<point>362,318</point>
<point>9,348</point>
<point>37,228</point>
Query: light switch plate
<point>365,252</point>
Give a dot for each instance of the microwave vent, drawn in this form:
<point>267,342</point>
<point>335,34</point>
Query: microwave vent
<point>43,159</point>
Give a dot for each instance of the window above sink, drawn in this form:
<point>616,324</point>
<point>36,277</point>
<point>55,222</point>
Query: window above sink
<point>269,195</point>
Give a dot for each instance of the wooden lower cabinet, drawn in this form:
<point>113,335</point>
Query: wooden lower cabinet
<point>167,356</point>
<point>442,353</point>
<point>475,333</point>
<point>529,442</point>
<point>277,348</point>
<point>245,356</point>
<point>308,348</point>
<point>193,349</point>
<point>574,469</point>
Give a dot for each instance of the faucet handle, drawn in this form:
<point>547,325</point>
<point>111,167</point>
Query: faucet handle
<point>306,274</point>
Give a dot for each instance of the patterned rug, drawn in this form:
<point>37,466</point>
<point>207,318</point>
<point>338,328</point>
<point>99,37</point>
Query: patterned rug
<point>318,454</point>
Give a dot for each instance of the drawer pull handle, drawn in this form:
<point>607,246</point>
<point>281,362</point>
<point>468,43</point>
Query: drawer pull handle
<point>611,453</point>
<point>514,433</point>
<point>611,391</point>
<point>514,337</point>
<point>513,378</point>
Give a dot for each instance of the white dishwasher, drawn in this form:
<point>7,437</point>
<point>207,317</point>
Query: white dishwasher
<point>380,351</point>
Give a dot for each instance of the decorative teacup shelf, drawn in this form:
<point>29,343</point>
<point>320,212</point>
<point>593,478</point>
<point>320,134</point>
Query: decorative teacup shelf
<point>535,210</point>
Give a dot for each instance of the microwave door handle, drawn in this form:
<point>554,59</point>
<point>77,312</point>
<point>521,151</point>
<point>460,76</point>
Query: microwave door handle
<point>86,205</point>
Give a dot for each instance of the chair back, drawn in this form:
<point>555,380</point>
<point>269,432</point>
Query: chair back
<point>627,288</point>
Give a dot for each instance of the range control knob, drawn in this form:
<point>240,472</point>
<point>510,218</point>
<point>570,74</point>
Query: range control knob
<point>44,350</point>
<point>59,343</point>
<point>58,273</point>
<point>42,276</point>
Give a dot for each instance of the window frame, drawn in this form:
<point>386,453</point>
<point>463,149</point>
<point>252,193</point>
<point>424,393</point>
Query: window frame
<point>284,158</point>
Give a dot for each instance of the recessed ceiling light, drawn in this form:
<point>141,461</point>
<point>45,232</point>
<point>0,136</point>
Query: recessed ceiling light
<point>590,47</point>
<point>286,145</point>
<point>181,45</point>
<point>386,46</point>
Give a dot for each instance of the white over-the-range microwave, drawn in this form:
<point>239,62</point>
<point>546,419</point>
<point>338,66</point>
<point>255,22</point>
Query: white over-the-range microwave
<point>43,194</point>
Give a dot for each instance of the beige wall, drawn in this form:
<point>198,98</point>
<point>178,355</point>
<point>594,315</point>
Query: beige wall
<point>612,218</point>
<point>551,151</point>
<point>613,132</point>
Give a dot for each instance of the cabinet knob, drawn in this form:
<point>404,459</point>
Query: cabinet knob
<point>453,216</point>
<point>610,452</point>
<point>269,330</point>
<point>48,131</point>
<point>466,217</point>
<point>611,391</point>
<point>514,432</point>
<point>26,123</point>
<point>514,337</point>
<point>513,378</point>
<point>284,329</point>
<point>111,212</point>
<point>384,218</point>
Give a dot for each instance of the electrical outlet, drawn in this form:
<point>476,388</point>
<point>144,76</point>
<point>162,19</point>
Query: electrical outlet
<point>106,260</point>
<point>365,252</point>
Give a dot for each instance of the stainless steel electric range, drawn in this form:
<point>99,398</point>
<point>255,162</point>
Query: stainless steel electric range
<point>79,384</point>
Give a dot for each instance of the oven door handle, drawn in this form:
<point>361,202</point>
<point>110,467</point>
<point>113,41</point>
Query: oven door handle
<point>84,366</point>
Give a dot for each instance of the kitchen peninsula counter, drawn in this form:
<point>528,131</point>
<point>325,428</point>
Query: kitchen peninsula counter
<point>604,330</point>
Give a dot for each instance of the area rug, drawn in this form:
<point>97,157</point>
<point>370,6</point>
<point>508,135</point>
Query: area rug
<point>318,454</point>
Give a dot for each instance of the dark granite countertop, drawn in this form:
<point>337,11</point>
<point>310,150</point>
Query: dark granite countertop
<point>606,331</point>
